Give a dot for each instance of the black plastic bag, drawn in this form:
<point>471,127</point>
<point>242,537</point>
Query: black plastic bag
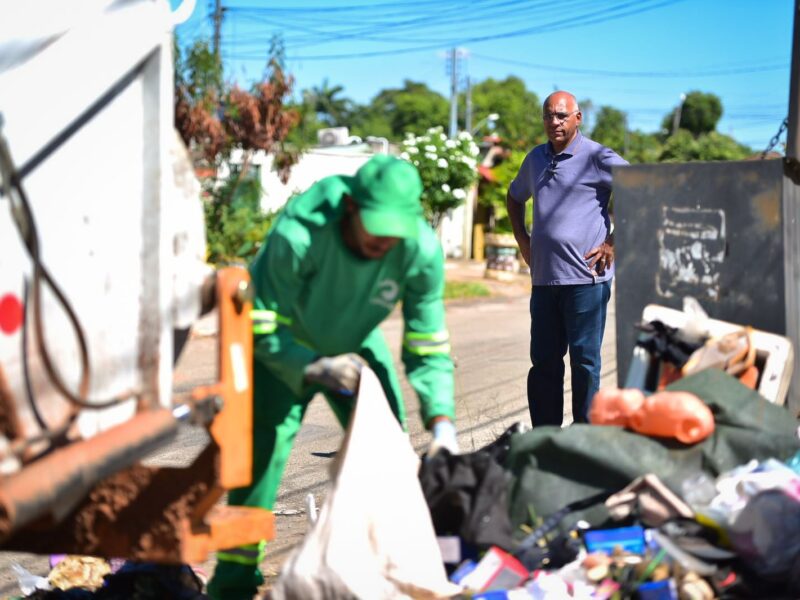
<point>467,494</point>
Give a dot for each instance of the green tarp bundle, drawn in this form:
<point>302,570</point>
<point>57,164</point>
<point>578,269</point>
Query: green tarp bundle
<point>553,467</point>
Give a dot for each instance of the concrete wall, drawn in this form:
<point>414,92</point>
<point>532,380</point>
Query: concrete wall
<point>455,231</point>
<point>314,165</point>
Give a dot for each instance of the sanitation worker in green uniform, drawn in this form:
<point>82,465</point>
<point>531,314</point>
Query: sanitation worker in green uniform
<point>337,260</point>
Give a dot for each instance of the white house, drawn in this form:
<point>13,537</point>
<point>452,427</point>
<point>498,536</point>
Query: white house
<point>316,163</point>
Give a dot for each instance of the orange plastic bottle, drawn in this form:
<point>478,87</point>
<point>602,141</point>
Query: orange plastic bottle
<point>614,406</point>
<point>674,414</point>
<point>678,415</point>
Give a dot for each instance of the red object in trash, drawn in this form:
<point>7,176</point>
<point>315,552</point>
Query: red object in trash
<point>497,570</point>
<point>679,415</point>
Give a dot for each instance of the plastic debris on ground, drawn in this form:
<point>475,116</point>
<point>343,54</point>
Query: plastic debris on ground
<point>79,571</point>
<point>82,577</point>
<point>695,510</point>
<point>28,582</point>
<point>699,535</point>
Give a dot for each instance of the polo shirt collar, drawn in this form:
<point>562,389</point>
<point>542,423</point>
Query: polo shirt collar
<point>570,150</point>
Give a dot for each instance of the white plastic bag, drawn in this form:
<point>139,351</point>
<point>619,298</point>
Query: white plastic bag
<point>28,582</point>
<point>374,538</point>
<point>696,326</point>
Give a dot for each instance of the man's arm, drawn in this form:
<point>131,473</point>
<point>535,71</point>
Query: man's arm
<point>277,274</point>
<point>601,257</point>
<point>426,341</point>
<point>516,213</point>
<point>426,353</point>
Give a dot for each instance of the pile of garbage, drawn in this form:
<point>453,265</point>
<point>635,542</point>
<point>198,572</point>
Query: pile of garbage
<point>683,487</point>
<point>641,507</point>
<point>86,577</point>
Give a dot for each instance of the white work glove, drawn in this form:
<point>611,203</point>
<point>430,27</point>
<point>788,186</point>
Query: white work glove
<point>340,374</point>
<point>444,436</point>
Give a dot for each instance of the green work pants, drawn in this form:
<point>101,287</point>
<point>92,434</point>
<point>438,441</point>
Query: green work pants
<point>277,416</point>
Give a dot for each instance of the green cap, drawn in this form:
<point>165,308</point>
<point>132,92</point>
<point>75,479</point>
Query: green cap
<point>387,191</point>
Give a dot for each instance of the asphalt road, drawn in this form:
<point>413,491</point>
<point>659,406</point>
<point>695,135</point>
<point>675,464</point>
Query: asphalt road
<point>490,347</point>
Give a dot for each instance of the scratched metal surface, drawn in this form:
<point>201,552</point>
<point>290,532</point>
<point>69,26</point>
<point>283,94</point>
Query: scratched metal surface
<point>713,231</point>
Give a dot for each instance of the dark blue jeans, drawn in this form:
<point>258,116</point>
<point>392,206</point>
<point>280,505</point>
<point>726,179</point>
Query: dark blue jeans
<point>562,317</point>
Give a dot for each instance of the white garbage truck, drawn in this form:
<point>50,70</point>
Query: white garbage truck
<point>102,272</point>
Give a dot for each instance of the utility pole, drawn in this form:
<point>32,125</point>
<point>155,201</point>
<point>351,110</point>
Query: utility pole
<point>468,117</point>
<point>676,118</point>
<point>793,132</point>
<point>453,93</point>
<point>587,110</point>
<point>626,136</point>
<point>217,17</point>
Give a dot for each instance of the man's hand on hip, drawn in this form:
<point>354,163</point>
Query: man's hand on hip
<point>525,249</point>
<point>602,257</point>
<point>340,374</point>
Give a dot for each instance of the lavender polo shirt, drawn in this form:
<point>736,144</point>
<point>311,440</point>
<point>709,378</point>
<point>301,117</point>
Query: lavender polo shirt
<point>570,209</point>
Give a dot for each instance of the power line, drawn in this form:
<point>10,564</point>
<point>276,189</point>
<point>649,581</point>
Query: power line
<point>623,9</point>
<point>371,6</point>
<point>441,17</point>
<point>708,72</point>
<point>193,28</point>
<point>421,23</point>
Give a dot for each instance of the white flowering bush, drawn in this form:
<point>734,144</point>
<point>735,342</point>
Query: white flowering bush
<point>448,169</point>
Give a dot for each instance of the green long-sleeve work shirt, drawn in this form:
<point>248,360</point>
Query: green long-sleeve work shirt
<point>315,297</point>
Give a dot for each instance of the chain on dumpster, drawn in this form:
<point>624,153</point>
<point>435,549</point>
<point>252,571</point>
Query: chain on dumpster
<point>775,138</point>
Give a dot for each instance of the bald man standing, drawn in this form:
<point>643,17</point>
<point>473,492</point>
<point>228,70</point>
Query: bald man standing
<point>571,254</point>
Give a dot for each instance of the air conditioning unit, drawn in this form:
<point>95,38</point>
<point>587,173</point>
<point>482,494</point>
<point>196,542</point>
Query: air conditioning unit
<point>333,136</point>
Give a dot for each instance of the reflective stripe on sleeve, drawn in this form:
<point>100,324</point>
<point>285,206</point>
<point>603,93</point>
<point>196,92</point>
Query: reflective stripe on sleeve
<point>423,344</point>
<point>267,321</point>
<point>250,554</point>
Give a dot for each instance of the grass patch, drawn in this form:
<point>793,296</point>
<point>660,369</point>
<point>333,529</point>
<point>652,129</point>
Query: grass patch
<point>459,290</point>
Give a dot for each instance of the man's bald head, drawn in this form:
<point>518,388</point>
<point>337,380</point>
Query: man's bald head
<point>571,101</point>
<point>561,117</point>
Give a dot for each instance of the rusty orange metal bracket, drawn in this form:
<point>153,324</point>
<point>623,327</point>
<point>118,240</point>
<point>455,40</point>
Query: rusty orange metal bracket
<point>217,527</point>
<point>171,515</point>
<point>232,428</point>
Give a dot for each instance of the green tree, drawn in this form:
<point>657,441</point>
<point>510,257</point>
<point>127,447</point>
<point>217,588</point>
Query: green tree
<point>446,167</point>
<point>492,195</point>
<point>198,73</point>
<point>718,146</point>
<point>520,124</point>
<point>684,147</point>
<point>610,128</point>
<point>327,103</point>
<point>308,123</point>
<point>635,146</point>
<point>680,147</point>
<point>643,147</point>
<point>700,113</point>
<point>215,120</point>
<point>237,223</point>
<point>413,107</point>
<point>587,110</point>
<point>366,122</point>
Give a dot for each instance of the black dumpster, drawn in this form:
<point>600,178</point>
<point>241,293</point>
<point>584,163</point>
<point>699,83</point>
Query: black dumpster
<point>725,233</point>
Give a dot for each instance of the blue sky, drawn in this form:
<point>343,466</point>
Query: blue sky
<point>635,55</point>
